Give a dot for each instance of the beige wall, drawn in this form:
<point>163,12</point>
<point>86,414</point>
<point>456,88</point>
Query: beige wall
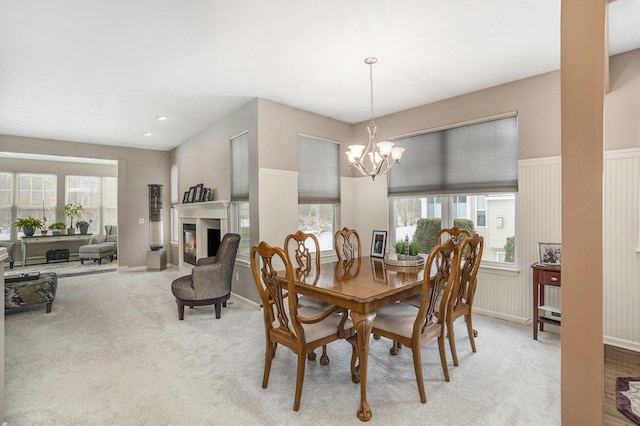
<point>136,169</point>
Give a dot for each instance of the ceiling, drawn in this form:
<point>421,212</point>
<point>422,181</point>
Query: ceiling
<point>102,71</point>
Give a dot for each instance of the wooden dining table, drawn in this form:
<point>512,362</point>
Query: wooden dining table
<point>362,286</point>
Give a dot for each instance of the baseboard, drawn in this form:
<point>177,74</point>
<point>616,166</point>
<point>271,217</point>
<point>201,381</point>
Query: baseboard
<point>498,315</point>
<point>244,301</point>
<point>620,343</point>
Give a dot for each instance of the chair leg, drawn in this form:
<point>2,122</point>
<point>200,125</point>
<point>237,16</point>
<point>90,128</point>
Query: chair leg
<point>452,341</point>
<point>299,381</point>
<point>324,359</point>
<point>311,356</point>
<point>472,333</point>
<point>218,307</point>
<point>180,309</point>
<point>443,357</point>
<point>395,348</point>
<point>417,365</point>
<point>268,356</point>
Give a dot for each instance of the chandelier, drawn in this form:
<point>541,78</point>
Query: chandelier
<point>374,159</point>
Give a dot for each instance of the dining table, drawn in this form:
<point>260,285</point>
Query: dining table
<point>362,285</point>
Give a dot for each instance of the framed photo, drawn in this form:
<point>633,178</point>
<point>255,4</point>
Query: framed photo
<point>207,195</point>
<point>192,193</point>
<point>378,243</point>
<point>550,253</point>
<point>185,197</point>
<point>198,194</point>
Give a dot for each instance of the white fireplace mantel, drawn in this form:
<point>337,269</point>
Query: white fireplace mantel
<point>201,214</point>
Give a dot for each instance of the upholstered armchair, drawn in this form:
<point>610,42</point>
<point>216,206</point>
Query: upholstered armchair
<point>210,280</point>
<point>13,248</point>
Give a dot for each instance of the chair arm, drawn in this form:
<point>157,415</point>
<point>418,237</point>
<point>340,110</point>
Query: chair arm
<point>206,260</point>
<point>11,249</point>
<point>318,318</point>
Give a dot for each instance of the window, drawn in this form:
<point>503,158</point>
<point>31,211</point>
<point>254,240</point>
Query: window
<point>417,218</point>
<point>240,191</point>
<point>465,176</point>
<point>98,196</point>
<point>6,205</point>
<point>36,197</point>
<point>318,188</point>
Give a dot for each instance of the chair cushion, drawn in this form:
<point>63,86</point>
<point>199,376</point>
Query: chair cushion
<point>319,330</point>
<point>397,318</point>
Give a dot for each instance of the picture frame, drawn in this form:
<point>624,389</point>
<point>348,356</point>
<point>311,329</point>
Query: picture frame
<point>192,193</point>
<point>185,197</point>
<point>378,243</point>
<point>207,196</point>
<point>203,196</point>
<point>550,253</point>
<point>198,193</point>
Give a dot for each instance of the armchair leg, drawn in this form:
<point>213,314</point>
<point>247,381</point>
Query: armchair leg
<point>180,309</point>
<point>218,306</point>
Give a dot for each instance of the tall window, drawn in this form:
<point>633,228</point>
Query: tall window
<point>6,205</point>
<point>318,188</point>
<point>98,196</point>
<point>465,176</point>
<point>36,197</point>
<point>240,190</point>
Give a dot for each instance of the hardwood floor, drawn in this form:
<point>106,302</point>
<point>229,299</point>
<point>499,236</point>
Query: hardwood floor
<point>618,362</point>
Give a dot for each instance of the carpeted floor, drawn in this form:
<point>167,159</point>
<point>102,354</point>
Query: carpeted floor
<point>66,269</point>
<point>112,351</point>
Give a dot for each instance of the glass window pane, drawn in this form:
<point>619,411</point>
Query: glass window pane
<point>242,219</point>
<point>319,220</point>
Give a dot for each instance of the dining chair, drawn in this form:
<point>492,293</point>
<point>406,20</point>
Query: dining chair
<point>414,327</point>
<point>461,300</point>
<point>456,233</point>
<point>300,328</point>
<point>347,244</point>
<point>306,262</point>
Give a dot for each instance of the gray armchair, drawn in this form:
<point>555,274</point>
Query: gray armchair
<point>210,280</point>
<point>13,249</point>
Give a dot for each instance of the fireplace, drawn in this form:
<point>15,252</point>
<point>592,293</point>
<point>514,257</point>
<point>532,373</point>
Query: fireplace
<point>202,224</point>
<point>189,238</point>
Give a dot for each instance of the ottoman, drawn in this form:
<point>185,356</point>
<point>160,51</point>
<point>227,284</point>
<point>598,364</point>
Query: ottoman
<point>23,291</point>
<point>96,252</point>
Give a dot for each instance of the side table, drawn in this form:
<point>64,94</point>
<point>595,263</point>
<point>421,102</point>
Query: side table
<point>544,275</point>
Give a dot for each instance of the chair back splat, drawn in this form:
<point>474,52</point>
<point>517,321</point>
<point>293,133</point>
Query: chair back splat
<point>299,328</point>
<point>347,244</point>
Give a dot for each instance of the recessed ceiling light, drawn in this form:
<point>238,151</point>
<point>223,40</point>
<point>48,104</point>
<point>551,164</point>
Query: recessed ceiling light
<point>161,117</point>
<point>147,133</point>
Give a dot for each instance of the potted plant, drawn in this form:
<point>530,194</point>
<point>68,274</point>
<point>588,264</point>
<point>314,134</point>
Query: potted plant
<point>83,225</point>
<point>28,225</point>
<point>57,228</point>
<point>72,210</point>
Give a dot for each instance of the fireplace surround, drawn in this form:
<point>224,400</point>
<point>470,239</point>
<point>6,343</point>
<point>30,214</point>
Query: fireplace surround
<point>210,219</point>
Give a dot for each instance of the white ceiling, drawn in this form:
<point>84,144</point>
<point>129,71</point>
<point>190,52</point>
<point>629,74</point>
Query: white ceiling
<point>101,71</point>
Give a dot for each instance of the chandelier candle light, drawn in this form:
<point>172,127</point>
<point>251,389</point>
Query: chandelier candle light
<point>377,153</point>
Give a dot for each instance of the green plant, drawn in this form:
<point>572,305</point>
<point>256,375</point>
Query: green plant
<point>57,226</point>
<point>509,249</point>
<point>30,222</point>
<point>82,224</point>
<point>414,248</point>
<point>73,210</point>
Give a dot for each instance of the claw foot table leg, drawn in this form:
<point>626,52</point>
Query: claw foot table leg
<point>363,324</point>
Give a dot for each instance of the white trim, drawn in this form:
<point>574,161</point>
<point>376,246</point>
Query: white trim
<point>620,343</point>
<point>535,162</point>
<point>277,172</point>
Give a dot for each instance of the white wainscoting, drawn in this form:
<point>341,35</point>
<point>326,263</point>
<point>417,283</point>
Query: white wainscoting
<point>509,296</point>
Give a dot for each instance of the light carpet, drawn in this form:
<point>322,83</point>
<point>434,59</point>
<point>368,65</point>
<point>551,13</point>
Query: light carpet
<point>112,352</point>
<point>65,269</point>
